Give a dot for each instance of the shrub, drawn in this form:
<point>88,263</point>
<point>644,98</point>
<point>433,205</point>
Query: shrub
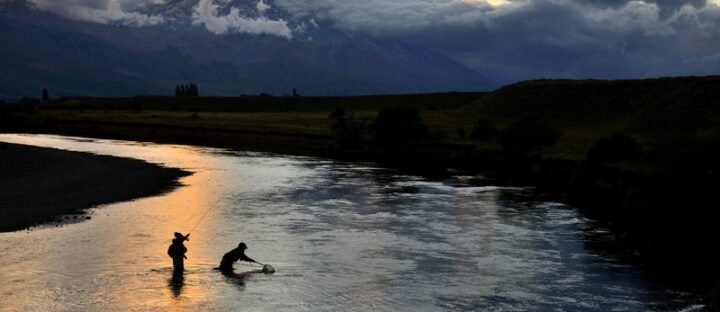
<point>438,135</point>
<point>483,130</point>
<point>524,136</point>
<point>399,125</point>
<point>137,106</point>
<point>346,129</point>
<point>614,149</point>
<point>29,102</point>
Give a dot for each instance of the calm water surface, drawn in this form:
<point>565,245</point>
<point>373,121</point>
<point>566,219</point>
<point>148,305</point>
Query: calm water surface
<point>342,237</point>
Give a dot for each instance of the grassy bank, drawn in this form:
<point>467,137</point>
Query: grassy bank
<point>40,184</point>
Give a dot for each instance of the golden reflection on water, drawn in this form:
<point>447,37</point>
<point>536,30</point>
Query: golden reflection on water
<point>127,238</point>
<point>185,210</point>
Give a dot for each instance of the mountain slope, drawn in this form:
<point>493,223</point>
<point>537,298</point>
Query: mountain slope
<point>77,58</point>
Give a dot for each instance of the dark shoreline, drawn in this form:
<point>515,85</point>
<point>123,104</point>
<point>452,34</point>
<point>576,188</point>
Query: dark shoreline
<point>41,184</point>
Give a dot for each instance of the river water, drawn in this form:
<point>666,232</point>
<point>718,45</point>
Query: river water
<point>342,237</point>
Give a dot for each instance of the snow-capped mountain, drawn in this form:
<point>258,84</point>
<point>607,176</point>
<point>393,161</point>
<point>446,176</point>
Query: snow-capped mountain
<point>226,47</point>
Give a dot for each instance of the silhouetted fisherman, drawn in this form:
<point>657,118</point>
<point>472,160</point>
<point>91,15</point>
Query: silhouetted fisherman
<point>177,251</point>
<point>226,265</point>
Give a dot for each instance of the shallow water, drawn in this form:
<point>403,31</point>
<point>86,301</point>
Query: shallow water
<point>342,237</point>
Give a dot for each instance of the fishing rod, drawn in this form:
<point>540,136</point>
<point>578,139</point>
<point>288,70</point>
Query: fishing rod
<point>200,220</point>
<point>187,237</point>
<point>266,267</point>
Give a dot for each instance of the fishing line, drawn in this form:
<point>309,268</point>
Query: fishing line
<point>200,220</point>
<point>266,267</point>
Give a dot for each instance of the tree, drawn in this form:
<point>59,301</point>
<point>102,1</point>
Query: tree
<point>614,149</point>
<point>45,96</point>
<point>195,90</point>
<point>399,125</point>
<point>525,135</point>
<point>483,130</point>
<point>137,106</point>
<point>346,129</point>
<point>29,102</point>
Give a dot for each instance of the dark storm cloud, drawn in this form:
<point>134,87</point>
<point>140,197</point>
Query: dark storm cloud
<point>667,4</point>
<point>543,38</point>
<point>517,40</point>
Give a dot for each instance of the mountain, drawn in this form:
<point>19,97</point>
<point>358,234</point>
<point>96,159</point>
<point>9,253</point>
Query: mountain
<point>45,50</point>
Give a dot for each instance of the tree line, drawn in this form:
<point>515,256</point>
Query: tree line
<point>186,90</point>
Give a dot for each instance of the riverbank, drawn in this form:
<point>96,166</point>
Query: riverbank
<point>638,155</point>
<point>37,185</point>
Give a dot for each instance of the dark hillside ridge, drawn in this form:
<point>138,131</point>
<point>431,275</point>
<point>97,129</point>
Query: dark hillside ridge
<point>679,102</point>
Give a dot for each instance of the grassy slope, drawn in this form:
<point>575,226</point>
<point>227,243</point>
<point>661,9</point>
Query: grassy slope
<point>306,115</point>
<point>654,111</point>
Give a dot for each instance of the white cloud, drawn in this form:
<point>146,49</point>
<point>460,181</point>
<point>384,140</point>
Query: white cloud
<point>98,11</point>
<point>206,13</point>
<point>262,6</point>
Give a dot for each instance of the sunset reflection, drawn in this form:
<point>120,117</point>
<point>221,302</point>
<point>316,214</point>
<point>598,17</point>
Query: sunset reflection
<point>130,238</point>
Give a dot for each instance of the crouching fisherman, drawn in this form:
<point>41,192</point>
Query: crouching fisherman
<point>226,264</point>
<point>177,251</point>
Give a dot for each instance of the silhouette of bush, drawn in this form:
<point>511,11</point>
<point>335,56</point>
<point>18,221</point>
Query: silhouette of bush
<point>137,106</point>
<point>523,136</point>
<point>346,128</point>
<point>438,135</point>
<point>399,125</point>
<point>29,102</point>
<point>483,130</point>
<point>713,299</point>
<point>614,149</point>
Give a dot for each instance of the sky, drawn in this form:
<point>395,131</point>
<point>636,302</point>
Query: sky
<point>506,39</point>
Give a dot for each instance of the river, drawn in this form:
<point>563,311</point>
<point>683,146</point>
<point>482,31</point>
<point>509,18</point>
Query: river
<point>342,237</point>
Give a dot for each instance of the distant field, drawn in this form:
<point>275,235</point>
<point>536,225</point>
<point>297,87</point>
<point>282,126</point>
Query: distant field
<point>314,122</point>
<point>656,112</point>
<point>432,101</point>
<point>573,142</point>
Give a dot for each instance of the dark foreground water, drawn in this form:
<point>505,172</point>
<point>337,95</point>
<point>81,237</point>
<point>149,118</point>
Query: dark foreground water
<point>342,237</point>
